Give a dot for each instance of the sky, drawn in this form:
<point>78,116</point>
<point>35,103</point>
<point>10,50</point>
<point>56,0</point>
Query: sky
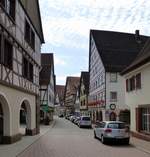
<point>67,23</point>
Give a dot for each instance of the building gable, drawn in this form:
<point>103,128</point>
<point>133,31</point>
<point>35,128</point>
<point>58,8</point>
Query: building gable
<point>117,50</point>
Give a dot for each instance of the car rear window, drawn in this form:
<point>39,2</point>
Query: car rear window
<point>116,125</point>
<point>86,118</point>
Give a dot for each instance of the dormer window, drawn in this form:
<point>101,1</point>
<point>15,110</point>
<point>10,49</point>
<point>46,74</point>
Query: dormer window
<point>9,7</point>
<point>29,35</point>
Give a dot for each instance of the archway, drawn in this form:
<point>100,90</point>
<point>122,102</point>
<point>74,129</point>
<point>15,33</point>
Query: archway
<point>112,116</point>
<point>4,118</point>
<point>1,124</point>
<point>25,117</point>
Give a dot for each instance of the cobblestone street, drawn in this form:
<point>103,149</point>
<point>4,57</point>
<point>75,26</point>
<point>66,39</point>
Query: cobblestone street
<point>67,140</point>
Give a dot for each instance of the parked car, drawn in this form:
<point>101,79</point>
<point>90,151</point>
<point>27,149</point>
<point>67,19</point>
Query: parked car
<point>61,116</point>
<point>85,121</point>
<point>112,130</point>
<point>76,120</point>
<point>68,116</point>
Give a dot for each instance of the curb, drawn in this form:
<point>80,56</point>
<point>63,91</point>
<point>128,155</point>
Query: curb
<point>26,148</point>
<point>139,147</point>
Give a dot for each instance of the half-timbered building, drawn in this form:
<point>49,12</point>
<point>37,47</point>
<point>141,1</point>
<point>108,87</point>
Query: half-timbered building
<point>47,86</point>
<point>21,37</point>
<point>110,53</point>
<point>84,91</point>
<point>71,87</point>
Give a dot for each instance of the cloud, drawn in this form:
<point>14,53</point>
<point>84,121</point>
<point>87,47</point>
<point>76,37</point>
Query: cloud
<point>59,61</point>
<point>68,22</point>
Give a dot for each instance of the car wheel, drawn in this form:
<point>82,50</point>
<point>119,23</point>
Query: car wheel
<point>95,135</point>
<point>103,140</point>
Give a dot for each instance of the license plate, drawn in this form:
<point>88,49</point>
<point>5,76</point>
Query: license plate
<point>119,137</point>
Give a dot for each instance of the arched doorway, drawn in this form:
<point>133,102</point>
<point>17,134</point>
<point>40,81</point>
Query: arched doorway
<point>112,116</point>
<point>1,124</point>
<point>4,118</point>
<point>25,117</point>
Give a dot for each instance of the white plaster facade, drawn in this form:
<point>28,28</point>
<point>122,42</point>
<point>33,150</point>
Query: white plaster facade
<point>139,96</point>
<point>118,87</point>
<point>14,87</point>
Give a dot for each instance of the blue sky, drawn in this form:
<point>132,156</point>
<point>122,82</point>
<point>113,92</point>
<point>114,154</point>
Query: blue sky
<point>66,25</point>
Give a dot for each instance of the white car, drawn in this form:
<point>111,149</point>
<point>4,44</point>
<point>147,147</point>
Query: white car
<point>112,130</point>
<point>85,121</point>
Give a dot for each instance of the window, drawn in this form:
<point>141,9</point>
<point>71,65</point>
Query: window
<point>6,53</point>
<point>9,6</point>
<point>27,70</point>
<point>132,83</point>
<point>29,35</point>
<point>113,96</point>
<point>2,2</point>
<point>145,112</point>
<point>30,71</point>
<point>138,81</point>
<point>113,77</point>
<point>0,49</point>
<point>116,125</point>
<point>25,67</point>
<point>127,85</point>
<point>27,32</point>
<point>8,50</point>
<point>32,39</point>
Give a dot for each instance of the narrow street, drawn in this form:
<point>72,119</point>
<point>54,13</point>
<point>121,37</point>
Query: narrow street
<point>67,140</point>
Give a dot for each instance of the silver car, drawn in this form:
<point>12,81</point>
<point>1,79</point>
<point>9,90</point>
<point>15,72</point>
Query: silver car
<point>112,130</point>
<point>85,121</point>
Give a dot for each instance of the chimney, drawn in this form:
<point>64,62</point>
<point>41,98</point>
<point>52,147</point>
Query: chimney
<point>137,36</point>
<point>137,33</point>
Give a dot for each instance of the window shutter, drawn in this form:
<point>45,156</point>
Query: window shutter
<point>0,50</point>
<point>12,8</point>
<point>127,85</point>
<point>138,81</point>
<point>138,119</point>
<point>2,2</point>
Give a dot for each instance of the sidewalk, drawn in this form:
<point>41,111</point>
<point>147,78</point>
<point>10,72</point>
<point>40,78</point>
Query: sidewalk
<point>140,144</point>
<point>13,150</point>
